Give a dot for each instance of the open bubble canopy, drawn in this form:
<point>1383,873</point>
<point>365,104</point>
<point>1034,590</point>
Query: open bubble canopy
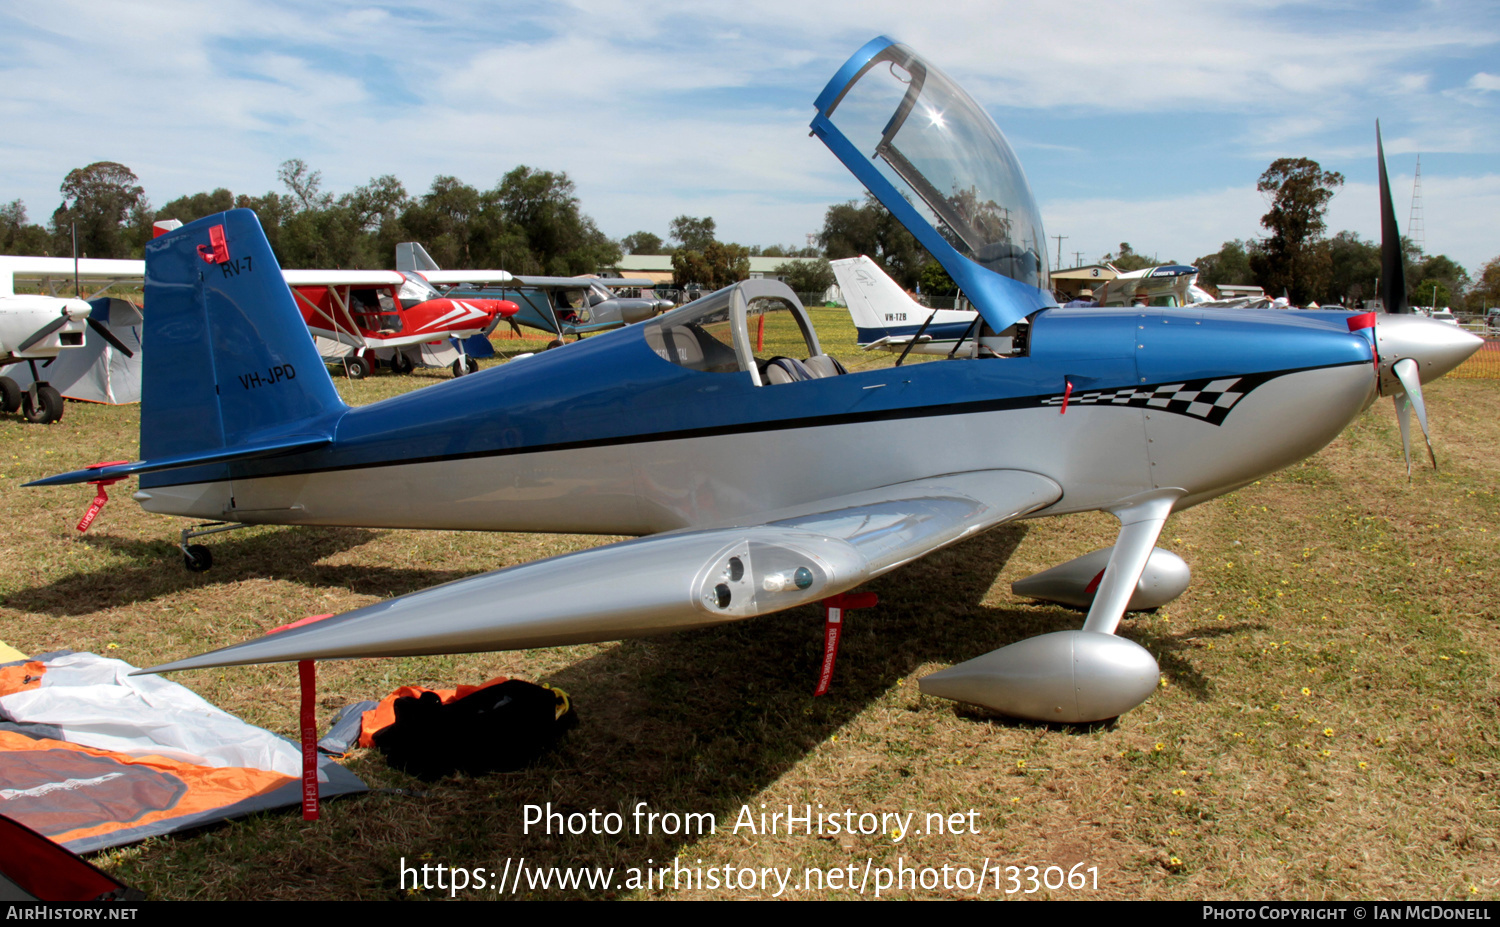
<point>939,163</point>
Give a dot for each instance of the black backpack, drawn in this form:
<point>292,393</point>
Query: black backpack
<point>500,728</point>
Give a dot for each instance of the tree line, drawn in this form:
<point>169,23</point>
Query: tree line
<point>1297,259</point>
<point>531,222</point>
<point>528,223</point>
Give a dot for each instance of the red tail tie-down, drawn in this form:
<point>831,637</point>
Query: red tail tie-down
<point>307,678</point>
<point>833,611</point>
<point>101,497</point>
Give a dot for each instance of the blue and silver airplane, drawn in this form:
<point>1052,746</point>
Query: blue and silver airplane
<point>754,481</point>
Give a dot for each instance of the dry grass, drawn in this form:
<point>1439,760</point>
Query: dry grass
<point>1326,728</point>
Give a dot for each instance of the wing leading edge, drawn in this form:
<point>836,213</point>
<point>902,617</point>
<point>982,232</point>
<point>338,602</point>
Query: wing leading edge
<point>666,582</point>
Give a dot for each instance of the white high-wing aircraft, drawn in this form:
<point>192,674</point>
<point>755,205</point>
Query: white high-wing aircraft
<point>764,483</point>
<point>1163,285</point>
<point>37,327</point>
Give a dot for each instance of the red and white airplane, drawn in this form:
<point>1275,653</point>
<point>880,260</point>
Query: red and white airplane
<point>361,317</point>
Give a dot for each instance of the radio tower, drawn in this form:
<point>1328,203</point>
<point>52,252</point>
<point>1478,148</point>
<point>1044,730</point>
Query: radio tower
<point>1414,229</point>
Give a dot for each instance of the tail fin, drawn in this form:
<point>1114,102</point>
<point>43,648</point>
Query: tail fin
<point>873,298</point>
<point>228,359</point>
<point>411,256</point>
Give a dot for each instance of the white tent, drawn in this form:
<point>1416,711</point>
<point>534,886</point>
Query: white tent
<point>97,372</point>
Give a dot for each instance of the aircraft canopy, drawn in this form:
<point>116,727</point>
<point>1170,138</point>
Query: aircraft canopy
<point>735,330</point>
<point>939,163</point>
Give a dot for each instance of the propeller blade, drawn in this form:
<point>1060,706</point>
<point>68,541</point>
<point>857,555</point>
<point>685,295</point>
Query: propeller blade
<point>103,331</point>
<point>42,333</point>
<point>1392,261</point>
<point>1403,418</point>
<point>1406,371</point>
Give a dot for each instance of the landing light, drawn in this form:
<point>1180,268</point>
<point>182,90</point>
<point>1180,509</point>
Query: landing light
<point>801,578</point>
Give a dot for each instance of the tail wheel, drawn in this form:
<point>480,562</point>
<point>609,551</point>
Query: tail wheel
<point>197,558</point>
<point>47,408</point>
<point>10,395</point>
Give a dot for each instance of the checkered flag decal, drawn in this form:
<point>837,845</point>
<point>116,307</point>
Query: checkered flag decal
<point>1206,400</point>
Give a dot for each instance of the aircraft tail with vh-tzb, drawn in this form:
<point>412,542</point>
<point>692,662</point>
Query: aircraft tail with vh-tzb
<point>887,318</point>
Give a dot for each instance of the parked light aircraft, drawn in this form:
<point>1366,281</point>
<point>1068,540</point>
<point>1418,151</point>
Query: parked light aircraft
<point>562,306</point>
<point>1163,285</point>
<point>360,317</point>
<point>37,327</point>
<point>763,483</point>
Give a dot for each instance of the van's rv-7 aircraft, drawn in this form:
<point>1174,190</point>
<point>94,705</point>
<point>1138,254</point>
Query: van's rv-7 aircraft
<point>764,483</point>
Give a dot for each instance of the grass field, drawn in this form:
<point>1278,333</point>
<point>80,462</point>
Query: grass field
<point>1326,725</point>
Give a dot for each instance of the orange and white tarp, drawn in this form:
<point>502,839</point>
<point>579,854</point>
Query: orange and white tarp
<point>93,757</point>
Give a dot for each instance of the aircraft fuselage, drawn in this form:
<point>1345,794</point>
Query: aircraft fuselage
<point>610,438</point>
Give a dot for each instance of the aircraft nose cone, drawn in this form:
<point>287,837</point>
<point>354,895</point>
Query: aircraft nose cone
<point>1436,346</point>
<point>76,309</point>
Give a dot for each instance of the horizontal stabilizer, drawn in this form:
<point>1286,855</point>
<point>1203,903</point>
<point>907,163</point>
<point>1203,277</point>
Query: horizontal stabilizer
<point>271,447</point>
<point>666,582</point>
<point>895,340</point>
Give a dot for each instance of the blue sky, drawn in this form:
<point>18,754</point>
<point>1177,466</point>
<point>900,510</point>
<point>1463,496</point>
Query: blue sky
<point>1145,121</point>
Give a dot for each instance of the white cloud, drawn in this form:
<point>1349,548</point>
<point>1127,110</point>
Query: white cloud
<point>666,106</point>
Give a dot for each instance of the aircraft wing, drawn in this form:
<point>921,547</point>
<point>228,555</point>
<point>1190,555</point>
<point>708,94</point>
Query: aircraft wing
<point>450,277</point>
<point>559,283</point>
<point>666,582</point>
<point>98,270</point>
<point>342,278</point>
<point>51,270</point>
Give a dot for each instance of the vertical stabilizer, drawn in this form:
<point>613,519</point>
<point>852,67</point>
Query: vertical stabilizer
<point>872,297</point>
<point>229,359</point>
<point>411,256</point>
